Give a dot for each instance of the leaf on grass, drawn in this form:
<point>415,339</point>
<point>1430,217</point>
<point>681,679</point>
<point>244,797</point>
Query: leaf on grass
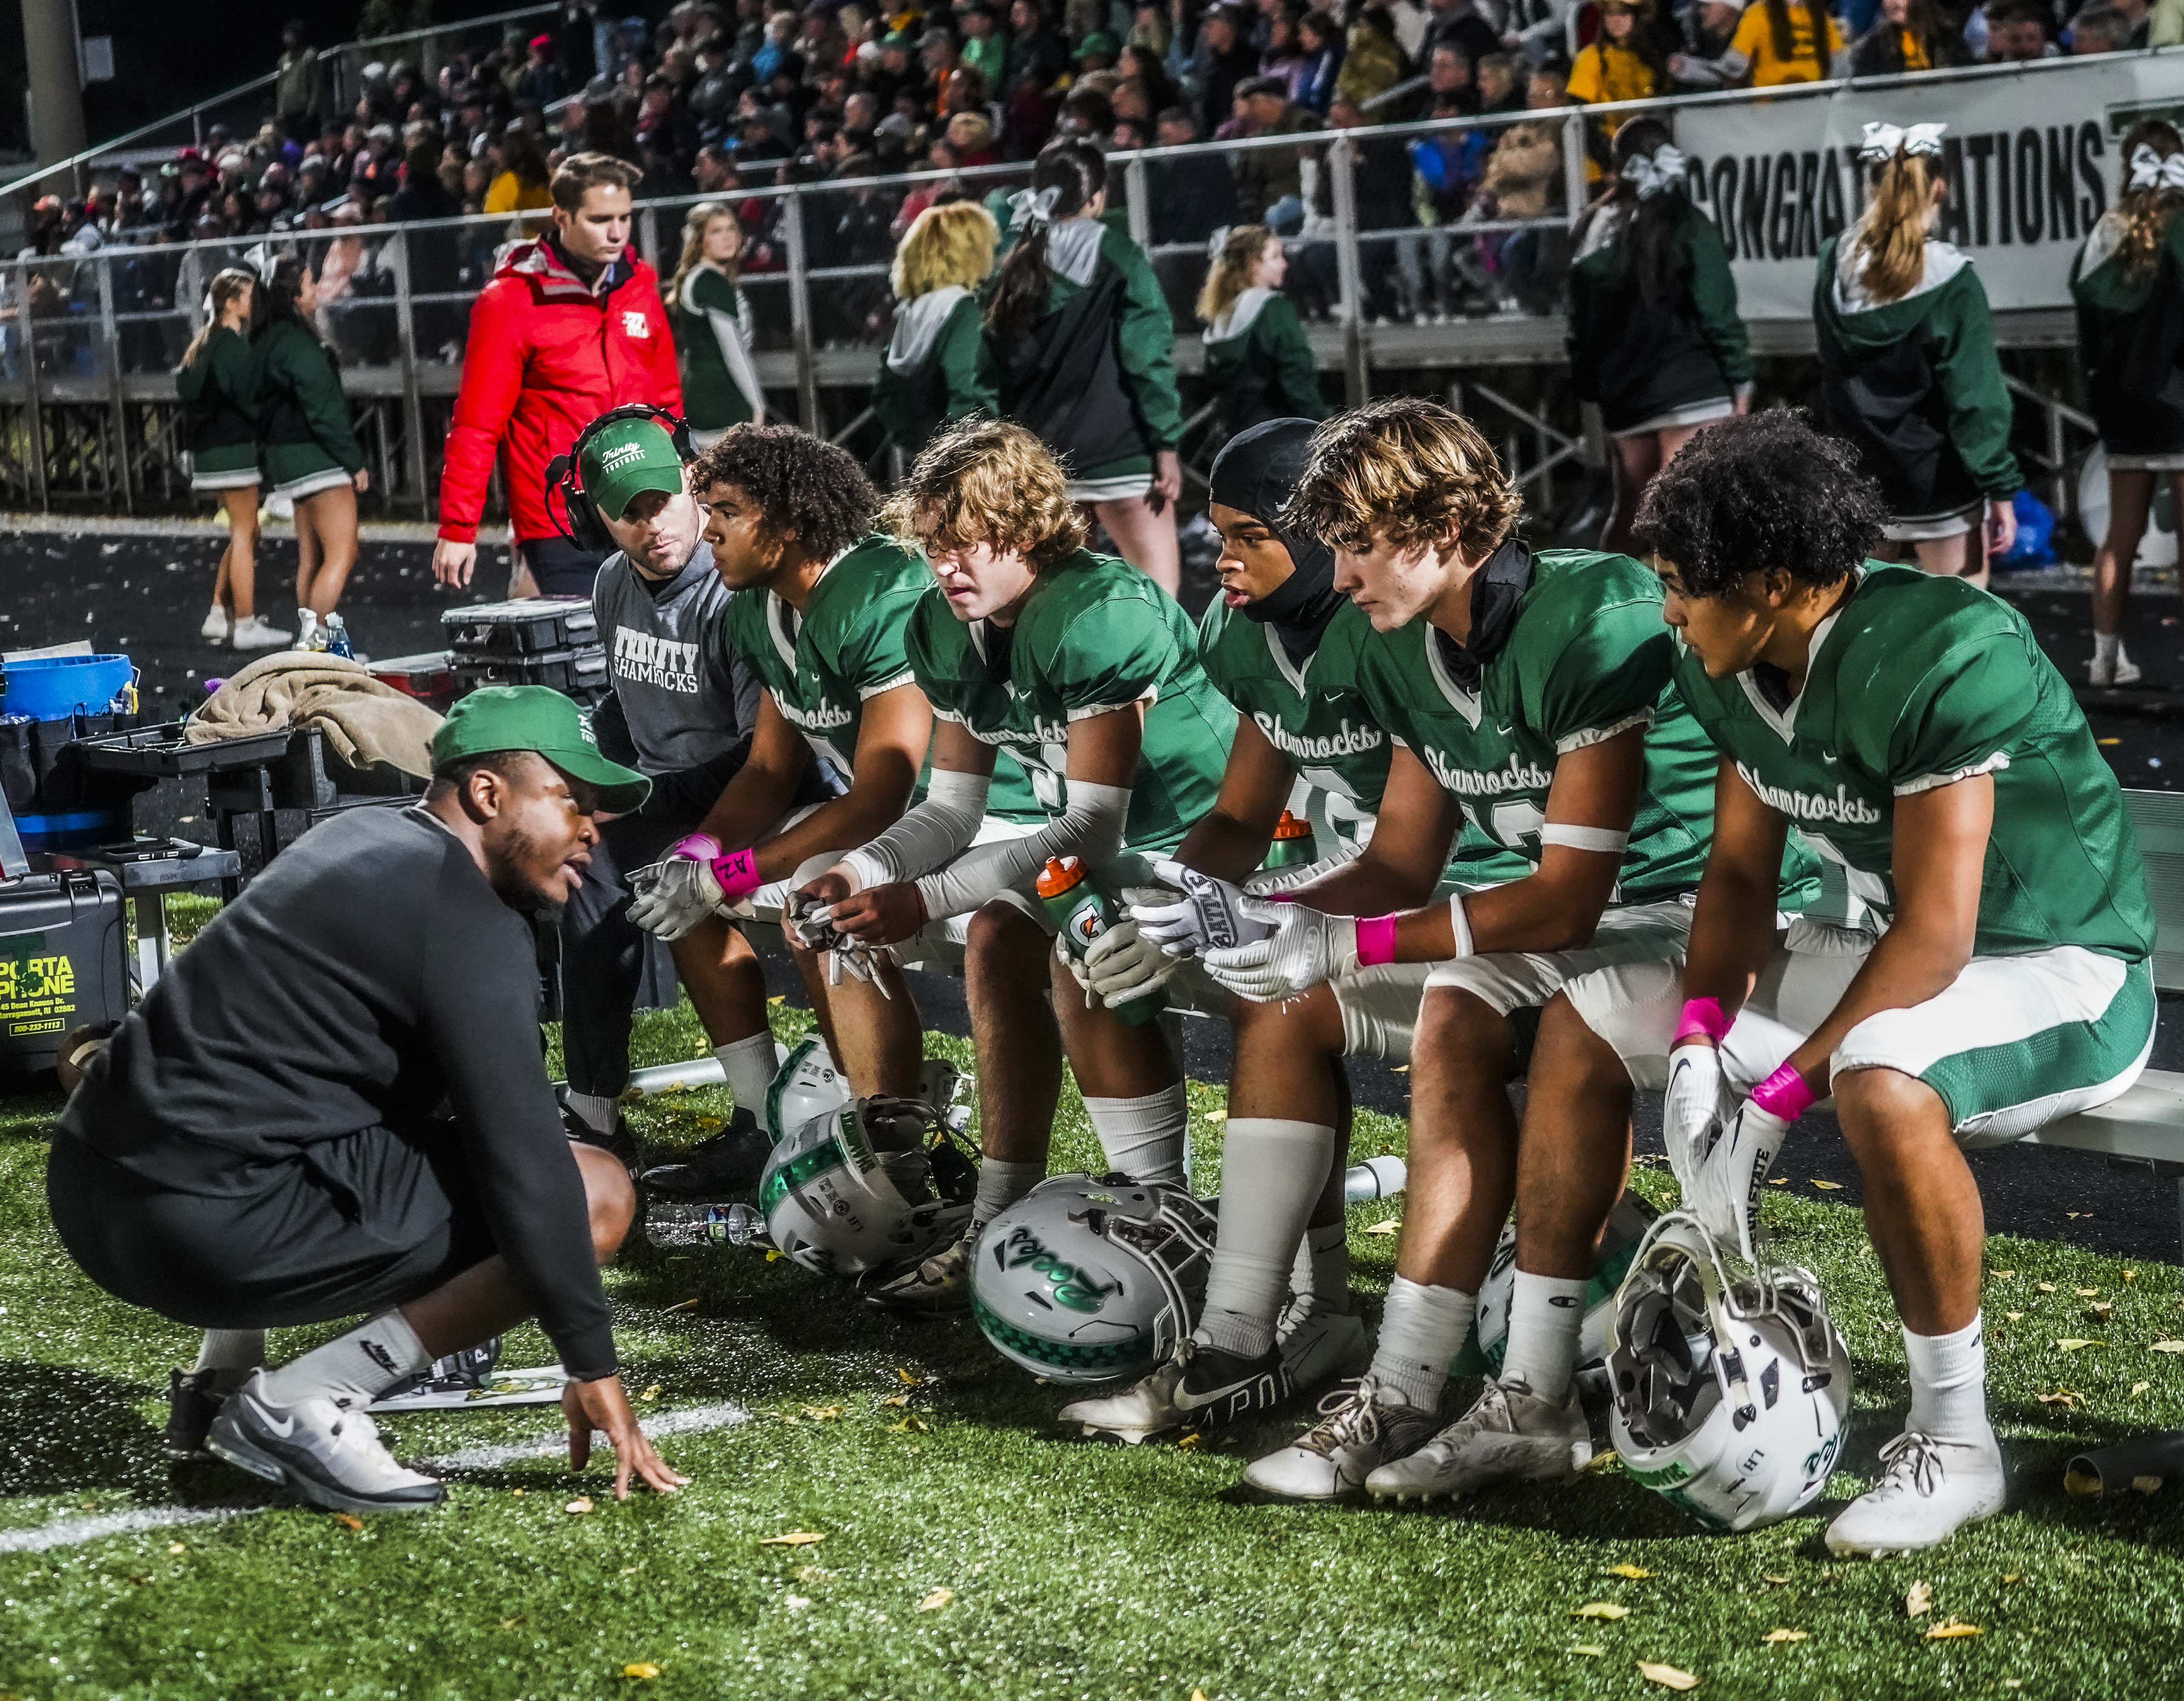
<point>650,1394</point>
<point>796,1603</point>
<point>910,1378</point>
<point>2137,1388</point>
<point>640,1670</point>
<point>2101,1310</point>
<point>2070,1343</point>
<point>821,1414</point>
<point>2014,1316</point>
<point>1197,1695</point>
<point>2146,1485</point>
<point>1776,1578</point>
<point>911,1424</point>
<point>2167,1347</point>
<point>2069,1399</point>
<point>896,1400</point>
<point>2087,1293</point>
<point>1610,1609</point>
<point>1627,1570</point>
<point>1602,1462</point>
<point>1950,1628</point>
<point>510,1623</point>
<point>812,1574</point>
<point>2045,1287</point>
<point>679,1305</point>
<point>177,1548</point>
<point>1827,1186</point>
<point>938,1600</point>
<point>2013,1577</point>
<point>1918,1599</point>
<point>1786,1636</point>
<point>2084,1484</point>
<point>778,998</point>
<point>349,1521</point>
<point>580,1505</point>
<point>794,1538</point>
<point>2002,1274</point>
<point>1778,1181</point>
<point>2130,1276</point>
<point>1194,1439</point>
<point>1592,1650</point>
<point>2075,1215</point>
<point>1385,1225</point>
<point>1668,1676</point>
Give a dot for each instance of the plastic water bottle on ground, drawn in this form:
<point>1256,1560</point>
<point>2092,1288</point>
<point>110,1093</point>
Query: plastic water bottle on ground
<point>675,1223</point>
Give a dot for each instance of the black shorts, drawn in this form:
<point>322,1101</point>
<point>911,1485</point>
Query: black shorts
<point>360,1224</point>
<point>560,567</point>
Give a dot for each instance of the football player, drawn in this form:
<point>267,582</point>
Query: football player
<point>1088,672</point>
<point>1908,726</point>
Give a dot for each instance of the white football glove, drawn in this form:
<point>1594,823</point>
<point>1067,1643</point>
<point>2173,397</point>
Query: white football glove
<point>1690,1111</point>
<point>1724,1191</point>
<point>1297,949</point>
<point>1207,915</point>
<point>1267,881</point>
<point>674,896</point>
<point>1123,964</point>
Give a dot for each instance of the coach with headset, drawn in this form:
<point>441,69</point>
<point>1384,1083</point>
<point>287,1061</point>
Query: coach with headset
<point>680,710</point>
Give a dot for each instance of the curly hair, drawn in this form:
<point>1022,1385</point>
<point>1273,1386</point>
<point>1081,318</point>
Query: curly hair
<point>987,481</point>
<point>804,485</point>
<point>949,244</point>
<point>1765,491</point>
<point>1411,471</point>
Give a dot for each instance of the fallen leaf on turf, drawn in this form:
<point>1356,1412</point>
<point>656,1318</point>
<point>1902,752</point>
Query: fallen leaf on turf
<point>1385,1225</point>
<point>1601,1463</point>
<point>1950,1628</point>
<point>1827,1186</point>
<point>896,1400</point>
<point>2084,1484</point>
<point>2002,1274</point>
<point>910,1378</point>
<point>2068,1397</point>
<point>2130,1276</point>
<point>938,1600</point>
<point>2072,1343</point>
<point>1601,1610</point>
<point>2013,1577</point>
<point>1592,1650</point>
<point>581,1504</point>
<point>2147,1485</point>
<point>510,1623</point>
<point>823,1413</point>
<point>2014,1316</point>
<point>2167,1347</point>
<point>650,1394</point>
<point>1627,1570</point>
<point>2137,1388</point>
<point>177,1548</point>
<point>1918,1599</point>
<point>796,1603</point>
<point>1217,1116</point>
<point>2101,1309</point>
<point>1194,1439</point>
<point>1668,1676</point>
<point>795,1539</point>
<point>1778,1182</point>
<point>778,998</point>
<point>774,1254</point>
<point>1786,1636</point>
<point>2045,1287</point>
<point>1198,1695</point>
<point>912,1425</point>
<point>349,1521</point>
<point>679,1305</point>
<point>641,1671</point>
<point>630,1571</point>
<point>1774,1577</point>
<point>2088,1292</point>
<point>2075,1215</point>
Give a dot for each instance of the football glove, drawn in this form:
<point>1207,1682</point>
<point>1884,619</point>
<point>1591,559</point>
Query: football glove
<point>1123,964</point>
<point>674,896</point>
<point>1294,949</point>
<point>1690,1111</point>
<point>1724,1191</point>
<point>1206,916</point>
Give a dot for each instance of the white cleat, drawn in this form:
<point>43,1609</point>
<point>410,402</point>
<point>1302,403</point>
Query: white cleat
<point>1929,1490</point>
<point>937,1286</point>
<point>1362,1424</point>
<point>317,1449</point>
<point>1510,1435</point>
<point>1320,1345</point>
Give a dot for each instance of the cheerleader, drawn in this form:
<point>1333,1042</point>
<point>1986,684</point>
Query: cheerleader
<point>1654,336</point>
<point>216,382</point>
<point>713,326</point>
<point>1080,342</point>
<point>1907,360</point>
<point>931,376</point>
<point>2128,280</point>
<point>1258,361</point>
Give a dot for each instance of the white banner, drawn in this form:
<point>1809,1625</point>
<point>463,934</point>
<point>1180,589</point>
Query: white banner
<point>2030,156</point>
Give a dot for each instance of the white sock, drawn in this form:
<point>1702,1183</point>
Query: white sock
<point>597,1111</point>
<point>1422,1331</point>
<point>1948,1384</point>
<point>1272,1172</point>
<point>749,1065</point>
<point>1142,1138</point>
<point>1547,1314</point>
<point>2107,646</point>
<point>231,1354</point>
<point>1322,1267</point>
<point>1000,1185</point>
<point>354,1369</point>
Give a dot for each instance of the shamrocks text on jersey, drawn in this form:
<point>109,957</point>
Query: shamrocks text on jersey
<point>1915,681</point>
<point>1095,634</point>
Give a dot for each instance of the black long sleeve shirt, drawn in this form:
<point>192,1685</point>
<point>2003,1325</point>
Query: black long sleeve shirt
<point>369,978</point>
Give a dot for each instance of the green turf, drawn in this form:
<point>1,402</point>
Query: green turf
<point>1077,1569</point>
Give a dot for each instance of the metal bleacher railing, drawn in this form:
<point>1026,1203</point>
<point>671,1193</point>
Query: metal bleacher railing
<point>88,418</point>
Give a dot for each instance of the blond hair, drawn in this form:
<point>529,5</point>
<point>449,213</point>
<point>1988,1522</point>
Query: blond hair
<point>987,481</point>
<point>945,245</point>
<point>694,224</point>
<point>226,284</point>
<point>1230,274</point>
<point>970,131</point>
<point>1407,470</point>
<point>2146,213</point>
<point>1889,245</point>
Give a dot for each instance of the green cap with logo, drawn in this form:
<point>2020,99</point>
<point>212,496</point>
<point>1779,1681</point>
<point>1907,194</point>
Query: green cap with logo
<point>626,457</point>
<point>531,717</point>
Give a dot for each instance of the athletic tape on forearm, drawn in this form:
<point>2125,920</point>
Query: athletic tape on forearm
<point>1702,1018</point>
<point>1090,828</point>
<point>934,833</point>
<point>1604,840</point>
<point>1784,1093</point>
<point>1459,924</point>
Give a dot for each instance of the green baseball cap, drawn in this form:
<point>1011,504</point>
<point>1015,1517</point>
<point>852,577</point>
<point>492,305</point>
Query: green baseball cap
<point>531,717</point>
<point>625,457</point>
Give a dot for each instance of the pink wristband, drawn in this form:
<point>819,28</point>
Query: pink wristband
<point>737,874</point>
<point>1784,1094</point>
<point>1279,897</point>
<point>1702,1017</point>
<point>1376,940</point>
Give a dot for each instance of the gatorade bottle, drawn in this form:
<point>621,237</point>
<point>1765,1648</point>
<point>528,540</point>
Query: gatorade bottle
<point>335,632</point>
<point>1294,845</point>
<point>1083,913</point>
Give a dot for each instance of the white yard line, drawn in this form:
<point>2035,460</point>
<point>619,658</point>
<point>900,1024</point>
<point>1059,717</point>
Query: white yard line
<point>690,1422</point>
<point>69,1531</point>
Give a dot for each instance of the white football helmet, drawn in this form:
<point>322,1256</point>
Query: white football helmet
<point>808,1083</point>
<point>1085,1279</point>
<point>1618,1244</point>
<point>1731,1387</point>
<point>865,1186</point>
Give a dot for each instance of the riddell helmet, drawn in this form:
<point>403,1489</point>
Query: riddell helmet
<point>864,1187</point>
<point>1086,1280</point>
<point>808,1083</point>
<point>1731,1387</point>
<point>1626,1227</point>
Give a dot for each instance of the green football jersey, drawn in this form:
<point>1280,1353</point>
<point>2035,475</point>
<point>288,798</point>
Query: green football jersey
<point>1095,634</point>
<point>1576,651</point>
<point>1915,681</point>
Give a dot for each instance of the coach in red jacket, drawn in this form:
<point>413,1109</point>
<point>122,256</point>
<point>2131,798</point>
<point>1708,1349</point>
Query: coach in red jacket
<point>570,325</point>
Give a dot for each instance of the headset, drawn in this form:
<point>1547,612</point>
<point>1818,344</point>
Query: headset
<point>584,526</point>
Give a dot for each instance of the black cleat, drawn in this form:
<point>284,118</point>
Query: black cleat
<point>621,1144</point>
<point>730,1162</point>
<point>192,1405</point>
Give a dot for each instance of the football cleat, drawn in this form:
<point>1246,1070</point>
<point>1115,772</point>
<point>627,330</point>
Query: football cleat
<point>937,1286</point>
<point>619,1143</point>
<point>1319,1344</point>
<point>192,1403</point>
<point>1195,1387</point>
<point>318,1449</point>
<point>1362,1425</point>
<point>1928,1491</point>
<point>729,1162</point>
<point>1510,1435</point>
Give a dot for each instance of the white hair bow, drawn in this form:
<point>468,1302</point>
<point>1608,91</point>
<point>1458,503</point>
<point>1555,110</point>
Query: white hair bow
<point>262,259</point>
<point>1883,141</point>
<point>1663,168</point>
<point>1217,241</point>
<point>2151,170</point>
<point>1029,211</point>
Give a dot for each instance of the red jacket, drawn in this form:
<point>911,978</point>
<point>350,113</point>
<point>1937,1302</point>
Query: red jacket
<point>544,357</point>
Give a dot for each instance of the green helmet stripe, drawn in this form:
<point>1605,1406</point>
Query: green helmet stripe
<point>1002,1333</point>
<point>805,1167</point>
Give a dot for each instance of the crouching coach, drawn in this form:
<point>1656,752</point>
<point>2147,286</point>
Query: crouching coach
<point>333,1103</point>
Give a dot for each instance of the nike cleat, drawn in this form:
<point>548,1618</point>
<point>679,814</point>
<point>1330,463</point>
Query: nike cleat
<point>1362,1425</point>
<point>730,1162</point>
<point>938,1286</point>
<point>1510,1435</point>
<point>318,1450</point>
<point>1196,1386</point>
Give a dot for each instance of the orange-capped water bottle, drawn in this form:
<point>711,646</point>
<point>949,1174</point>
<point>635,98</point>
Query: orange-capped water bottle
<point>1295,844</point>
<point>1083,912</point>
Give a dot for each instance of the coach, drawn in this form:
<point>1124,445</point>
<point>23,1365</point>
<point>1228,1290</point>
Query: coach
<point>570,325</point>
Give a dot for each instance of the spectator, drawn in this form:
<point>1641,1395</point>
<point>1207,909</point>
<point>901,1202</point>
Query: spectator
<point>1708,26</point>
<point>299,80</point>
<point>2019,31</point>
<point>932,374</point>
<point>1193,195</point>
<point>1258,359</point>
<point>1372,59</point>
<point>1222,60</point>
<point>1777,42</point>
<point>1499,88</point>
<point>984,49</point>
<point>1269,180</point>
<point>1319,42</point>
<point>1622,62</point>
<point>1909,36</point>
<point>1458,24</point>
<point>2100,28</point>
<point>714,330</point>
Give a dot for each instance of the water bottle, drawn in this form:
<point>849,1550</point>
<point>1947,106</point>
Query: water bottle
<point>675,1224</point>
<point>333,639</point>
<point>1295,844</point>
<point>1083,912</point>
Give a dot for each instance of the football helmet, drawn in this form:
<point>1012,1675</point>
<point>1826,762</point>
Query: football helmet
<point>1088,1280</point>
<point>808,1083</point>
<point>1618,1244</point>
<point>1731,1387</point>
<point>865,1186</point>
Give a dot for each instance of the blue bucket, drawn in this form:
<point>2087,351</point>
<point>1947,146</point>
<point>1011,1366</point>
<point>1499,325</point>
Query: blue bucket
<point>51,686</point>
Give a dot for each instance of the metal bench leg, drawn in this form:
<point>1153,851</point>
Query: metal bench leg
<point>151,912</point>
